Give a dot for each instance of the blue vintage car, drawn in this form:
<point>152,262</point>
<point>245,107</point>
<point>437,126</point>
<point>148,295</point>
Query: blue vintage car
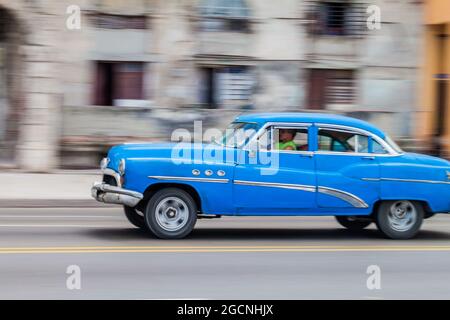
<point>278,164</point>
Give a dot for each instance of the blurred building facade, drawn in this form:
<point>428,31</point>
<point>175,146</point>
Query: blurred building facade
<point>435,116</point>
<point>138,69</point>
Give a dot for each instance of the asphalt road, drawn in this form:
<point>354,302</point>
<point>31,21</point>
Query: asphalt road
<point>228,258</point>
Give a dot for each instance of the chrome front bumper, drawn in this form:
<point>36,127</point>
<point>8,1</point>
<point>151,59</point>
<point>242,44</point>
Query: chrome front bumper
<point>106,193</point>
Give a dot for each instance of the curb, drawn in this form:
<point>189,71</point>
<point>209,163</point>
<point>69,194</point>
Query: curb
<point>54,203</point>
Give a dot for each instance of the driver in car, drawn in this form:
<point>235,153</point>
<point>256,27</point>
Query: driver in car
<point>286,140</point>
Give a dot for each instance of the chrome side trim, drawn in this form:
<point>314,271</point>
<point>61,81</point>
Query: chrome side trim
<point>346,196</point>
<point>276,185</point>
<point>192,179</point>
<point>355,154</point>
<point>406,180</point>
<point>371,179</point>
<point>309,154</point>
<point>343,195</point>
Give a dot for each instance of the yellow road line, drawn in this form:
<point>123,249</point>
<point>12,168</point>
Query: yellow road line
<point>213,249</point>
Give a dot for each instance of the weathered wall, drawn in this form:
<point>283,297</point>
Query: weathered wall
<point>58,69</point>
<point>36,93</point>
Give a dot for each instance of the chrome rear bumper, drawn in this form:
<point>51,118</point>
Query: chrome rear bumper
<point>106,193</point>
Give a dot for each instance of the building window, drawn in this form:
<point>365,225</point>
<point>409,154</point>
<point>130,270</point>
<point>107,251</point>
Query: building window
<point>112,21</point>
<point>331,89</point>
<point>336,18</point>
<point>118,83</point>
<point>207,87</point>
<point>334,21</point>
<point>224,15</point>
<point>225,86</point>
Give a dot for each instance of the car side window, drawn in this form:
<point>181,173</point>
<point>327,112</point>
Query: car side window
<point>334,140</point>
<point>289,138</point>
<point>378,148</point>
<point>264,140</point>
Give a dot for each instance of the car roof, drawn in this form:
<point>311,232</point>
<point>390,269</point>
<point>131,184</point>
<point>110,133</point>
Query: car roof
<point>325,118</point>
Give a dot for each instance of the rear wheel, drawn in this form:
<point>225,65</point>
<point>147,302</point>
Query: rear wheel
<point>353,223</point>
<point>171,214</point>
<point>135,217</point>
<point>400,219</point>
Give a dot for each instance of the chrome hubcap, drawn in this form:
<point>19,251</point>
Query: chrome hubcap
<point>172,214</point>
<point>402,216</point>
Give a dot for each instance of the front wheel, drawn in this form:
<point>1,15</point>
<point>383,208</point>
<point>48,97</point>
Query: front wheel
<point>399,219</point>
<point>134,217</point>
<point>353,223</point>
<point>171,214</point>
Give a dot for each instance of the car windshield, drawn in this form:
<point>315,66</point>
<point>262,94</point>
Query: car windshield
<point>393,144</point>
<point>237,133</point>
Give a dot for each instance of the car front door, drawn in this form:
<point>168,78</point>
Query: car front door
<point>268,180</point>
<point>347,170</point>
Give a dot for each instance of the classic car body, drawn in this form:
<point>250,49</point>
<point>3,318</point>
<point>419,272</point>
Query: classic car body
<point>344,167</point>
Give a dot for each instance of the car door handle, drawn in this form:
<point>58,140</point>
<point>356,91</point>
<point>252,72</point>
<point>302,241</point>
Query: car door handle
<point>368,158</point>
<point>306,155</point>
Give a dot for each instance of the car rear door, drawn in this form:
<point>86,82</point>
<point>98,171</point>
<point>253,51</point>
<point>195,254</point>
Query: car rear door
<point>347,171</point>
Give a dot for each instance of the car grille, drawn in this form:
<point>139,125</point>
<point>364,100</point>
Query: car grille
<point>109,180</point>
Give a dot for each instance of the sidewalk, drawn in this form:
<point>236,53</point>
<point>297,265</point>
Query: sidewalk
<point>59,189</point>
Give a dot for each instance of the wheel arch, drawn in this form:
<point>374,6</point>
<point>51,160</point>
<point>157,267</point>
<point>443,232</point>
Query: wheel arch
<point>425,205</point>
<point>153,188</point>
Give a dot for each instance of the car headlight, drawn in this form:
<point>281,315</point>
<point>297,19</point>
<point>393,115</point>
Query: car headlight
<point>104,163</point>
<point>122,167</point>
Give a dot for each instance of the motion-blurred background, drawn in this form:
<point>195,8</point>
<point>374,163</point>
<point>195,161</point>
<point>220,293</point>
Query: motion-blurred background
<point>138,69</point>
